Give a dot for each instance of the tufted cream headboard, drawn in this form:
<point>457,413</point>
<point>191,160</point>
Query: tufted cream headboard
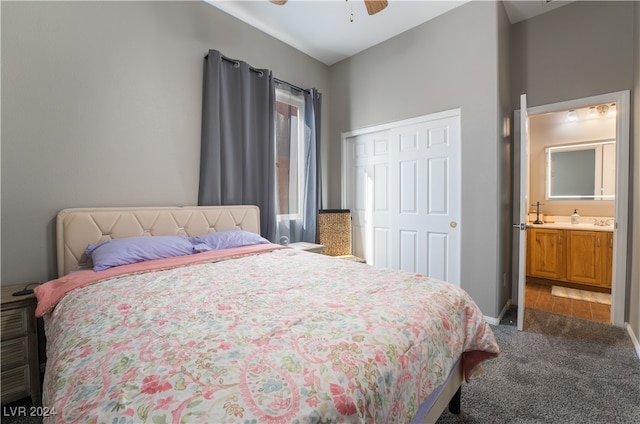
<point>76,228</point>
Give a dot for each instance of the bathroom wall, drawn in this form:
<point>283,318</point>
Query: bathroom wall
<point>552,129</point>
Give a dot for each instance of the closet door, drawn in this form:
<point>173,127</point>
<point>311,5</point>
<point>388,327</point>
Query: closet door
<point>402,184</point>
<point>366,188</point>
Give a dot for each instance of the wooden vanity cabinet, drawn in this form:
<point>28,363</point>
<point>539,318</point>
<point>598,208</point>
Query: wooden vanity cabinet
<point>575,256</point>
<point>545,258</point>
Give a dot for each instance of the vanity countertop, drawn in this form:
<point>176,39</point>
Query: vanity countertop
<point>582,226</point>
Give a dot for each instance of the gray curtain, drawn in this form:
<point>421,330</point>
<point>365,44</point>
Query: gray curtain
<point>305,228</point>
<point>313,199</point>
<point>237,163</point>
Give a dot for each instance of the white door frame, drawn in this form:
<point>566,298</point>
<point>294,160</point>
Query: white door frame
<point>621,227</point>
<point>521,123</point>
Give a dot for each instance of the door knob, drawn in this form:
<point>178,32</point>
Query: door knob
<point>453,224</point>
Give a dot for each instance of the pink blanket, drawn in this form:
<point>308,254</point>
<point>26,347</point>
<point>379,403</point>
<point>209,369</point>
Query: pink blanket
<point>252,335</point>
<point>51,292</point>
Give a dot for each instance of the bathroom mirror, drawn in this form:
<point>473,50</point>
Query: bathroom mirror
<point>581,171</point>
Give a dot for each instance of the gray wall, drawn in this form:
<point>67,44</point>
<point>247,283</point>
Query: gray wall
<point>101,106</point>
<point>584,49</point>
<point>634,289</point>
<point>451,61</point>
<point>579,50</point>
<point>505,162</point>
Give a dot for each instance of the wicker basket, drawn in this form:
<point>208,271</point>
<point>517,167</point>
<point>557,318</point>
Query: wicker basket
<point>334,231</point>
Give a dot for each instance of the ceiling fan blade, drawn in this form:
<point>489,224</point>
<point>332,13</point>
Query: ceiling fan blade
<point>374,6</point>
<point>278,2</point>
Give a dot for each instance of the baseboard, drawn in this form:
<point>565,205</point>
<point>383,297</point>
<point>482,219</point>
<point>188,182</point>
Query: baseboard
<point>491,320</point>
<point>496,321</point>
<point>634,339</point>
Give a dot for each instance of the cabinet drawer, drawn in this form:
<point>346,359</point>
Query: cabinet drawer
<point>14,323</point>
<point>15,352</point>
<point>15,384</point>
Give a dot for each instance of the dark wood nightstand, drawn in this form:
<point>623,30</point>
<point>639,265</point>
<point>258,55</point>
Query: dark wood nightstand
<point>20,369</point>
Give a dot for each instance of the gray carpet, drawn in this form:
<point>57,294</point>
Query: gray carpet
<point>559,370</point>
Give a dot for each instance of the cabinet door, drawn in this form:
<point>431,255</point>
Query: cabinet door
<point>585,253</point>
<point>545,253</point>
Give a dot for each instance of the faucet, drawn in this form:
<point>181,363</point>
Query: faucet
<point>601,222</point>
<point>538,220</point>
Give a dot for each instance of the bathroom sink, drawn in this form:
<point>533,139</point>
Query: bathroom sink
<point>585,226</point>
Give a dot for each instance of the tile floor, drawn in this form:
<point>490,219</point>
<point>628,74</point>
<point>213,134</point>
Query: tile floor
<point>539,296</point>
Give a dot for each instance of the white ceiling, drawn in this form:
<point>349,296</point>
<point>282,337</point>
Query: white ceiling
<point>321,28</point>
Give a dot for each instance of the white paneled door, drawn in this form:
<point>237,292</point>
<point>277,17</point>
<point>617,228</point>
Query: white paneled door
<point>402,184</point>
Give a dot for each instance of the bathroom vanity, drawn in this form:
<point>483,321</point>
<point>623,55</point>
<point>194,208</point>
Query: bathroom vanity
<point>578,254</point>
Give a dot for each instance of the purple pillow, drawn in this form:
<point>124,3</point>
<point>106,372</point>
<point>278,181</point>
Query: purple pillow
<point>225,240</point>
<point>129,250</point>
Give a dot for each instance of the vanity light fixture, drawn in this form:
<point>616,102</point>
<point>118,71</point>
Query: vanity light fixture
<point>591,112</point>
<point>602,110</point>
<point>572,116</point>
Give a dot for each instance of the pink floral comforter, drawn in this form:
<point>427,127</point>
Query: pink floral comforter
<point>279,336</point>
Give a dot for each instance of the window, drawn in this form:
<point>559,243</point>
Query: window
<point>290,153</point>
<point>296,173</point>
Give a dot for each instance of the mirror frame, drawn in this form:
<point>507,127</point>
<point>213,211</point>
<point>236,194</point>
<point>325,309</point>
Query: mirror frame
<point>599,170</point>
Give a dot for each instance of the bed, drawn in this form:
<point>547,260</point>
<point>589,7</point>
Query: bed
<point>250,332</point>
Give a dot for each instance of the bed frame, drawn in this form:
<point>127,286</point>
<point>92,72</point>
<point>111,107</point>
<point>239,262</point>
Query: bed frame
<point>77,227</point>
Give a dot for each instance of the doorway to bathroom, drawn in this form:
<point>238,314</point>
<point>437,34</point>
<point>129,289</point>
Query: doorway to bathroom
<point>554,270</point>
